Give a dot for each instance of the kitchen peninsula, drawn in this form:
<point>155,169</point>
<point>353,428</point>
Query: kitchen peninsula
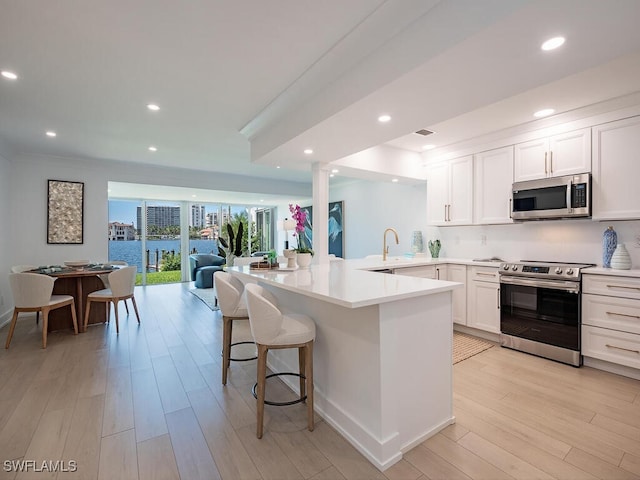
<point>383,352</point>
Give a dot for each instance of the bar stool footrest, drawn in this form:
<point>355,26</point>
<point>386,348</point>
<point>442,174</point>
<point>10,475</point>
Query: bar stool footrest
<point>241,359</point>
<point>279,404</point>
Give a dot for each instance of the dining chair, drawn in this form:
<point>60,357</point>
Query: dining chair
<point>122,283</point>
<point>26,268</point>
<point>105,277</point>
<point>32,292</point>
<point>22,268</point>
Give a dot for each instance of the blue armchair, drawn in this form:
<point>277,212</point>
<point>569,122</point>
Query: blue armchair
<point>203,266</point>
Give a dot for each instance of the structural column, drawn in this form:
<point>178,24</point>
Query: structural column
<point>320,220</point>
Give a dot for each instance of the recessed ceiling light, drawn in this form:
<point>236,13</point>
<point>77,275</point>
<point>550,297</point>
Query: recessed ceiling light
<point>545,112</point>
<point>153,107</point>
<point>193,196</point>
<point>153,149</point>
<point>9,75</point>
<point>308,151</point>
<point>331,175</point>
<point>428,147</point>
<point>278,166</point>
<point>394,180</point>
<point>335,170</point>
<point>384,118</point>
<point>552,43</point>
<point>51,133</point>
<point>262,199</point>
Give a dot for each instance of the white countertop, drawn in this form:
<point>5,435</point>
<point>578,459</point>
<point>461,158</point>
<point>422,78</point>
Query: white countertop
<point>348,283</point>
<point>634,272</point>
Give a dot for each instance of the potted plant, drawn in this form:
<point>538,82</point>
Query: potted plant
<point>303,250</point>
<point>234,244</point>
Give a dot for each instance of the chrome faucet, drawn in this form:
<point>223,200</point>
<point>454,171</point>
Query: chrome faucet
<point>385,248</point>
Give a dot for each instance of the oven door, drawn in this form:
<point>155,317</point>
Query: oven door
<point>544,311</point>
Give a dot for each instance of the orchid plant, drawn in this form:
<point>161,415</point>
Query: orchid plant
<point>300,217</point>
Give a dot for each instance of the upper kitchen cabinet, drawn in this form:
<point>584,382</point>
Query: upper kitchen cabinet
<point>492,186</point>
<point>564,154</point>
<point>449,192</point>
<point>616,170</point>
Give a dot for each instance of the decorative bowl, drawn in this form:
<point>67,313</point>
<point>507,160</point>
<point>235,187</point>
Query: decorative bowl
<point>77,263</point>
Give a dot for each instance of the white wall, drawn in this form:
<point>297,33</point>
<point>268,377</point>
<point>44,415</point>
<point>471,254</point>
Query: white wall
<point>371,207</point>
<point>551,240</point>
<point>5,238</point>
<point>28,186</point>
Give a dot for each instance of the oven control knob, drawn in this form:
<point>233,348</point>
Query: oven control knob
<point>514,268</point>
<point>506,266</point>
<point>558,270</point>
<point>569,271</point>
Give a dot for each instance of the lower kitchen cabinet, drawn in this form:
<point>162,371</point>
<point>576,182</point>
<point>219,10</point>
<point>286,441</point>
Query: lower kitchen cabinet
<point>458,273</point>
<point>435,272</point>
<point>611,319</point>
<point>483,299</point>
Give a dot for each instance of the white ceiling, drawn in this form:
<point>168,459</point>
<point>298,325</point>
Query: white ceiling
<point>243,80</point>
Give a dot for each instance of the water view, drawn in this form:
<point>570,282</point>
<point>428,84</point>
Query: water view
<point>131,251</point>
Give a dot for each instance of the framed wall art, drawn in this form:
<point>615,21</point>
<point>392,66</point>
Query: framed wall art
<point>65,212</point>
<point>336,227</point>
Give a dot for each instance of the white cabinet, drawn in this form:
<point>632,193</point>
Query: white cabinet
<point>563,154</point>
<point>616,170</point>
<point>493,178</point>
<point>611,319</point>
<point>458,273</point>
<point>483,299</point>
<point>449,192</point>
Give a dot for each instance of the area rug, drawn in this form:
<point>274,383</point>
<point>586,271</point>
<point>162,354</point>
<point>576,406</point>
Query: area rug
<point>207,295</point>
<point>465,346</point>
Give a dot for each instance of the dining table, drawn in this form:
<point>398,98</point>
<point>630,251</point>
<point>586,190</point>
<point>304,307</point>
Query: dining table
<point>78,282</point>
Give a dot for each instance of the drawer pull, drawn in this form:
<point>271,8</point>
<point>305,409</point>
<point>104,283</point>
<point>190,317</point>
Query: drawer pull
<point>621,348</point>
<point>622,286</point>
<point>486,274</point>
<point>623,315</point>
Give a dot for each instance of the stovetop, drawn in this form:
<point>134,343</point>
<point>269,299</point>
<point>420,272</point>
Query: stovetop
<point>538,269</point>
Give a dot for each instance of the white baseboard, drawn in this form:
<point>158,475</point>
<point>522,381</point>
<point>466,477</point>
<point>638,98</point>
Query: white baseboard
<point>611,367</point>
<point>492,337</point>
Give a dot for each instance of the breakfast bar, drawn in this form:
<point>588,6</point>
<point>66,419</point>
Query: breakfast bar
<point>382,356</point>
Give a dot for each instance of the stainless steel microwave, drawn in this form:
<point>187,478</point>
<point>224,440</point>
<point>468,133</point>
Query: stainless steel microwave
<point>552,198</point>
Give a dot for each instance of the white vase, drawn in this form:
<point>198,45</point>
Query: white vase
<point>303,259</point>
<point>621,259</point>
<point>290,254</point>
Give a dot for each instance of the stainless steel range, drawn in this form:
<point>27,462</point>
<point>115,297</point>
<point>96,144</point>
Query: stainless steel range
<point>540,309</point>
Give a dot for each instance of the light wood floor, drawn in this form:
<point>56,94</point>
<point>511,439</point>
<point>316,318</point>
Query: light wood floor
<point>148,404</point>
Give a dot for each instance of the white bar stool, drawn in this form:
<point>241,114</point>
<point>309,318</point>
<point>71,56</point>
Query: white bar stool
<point>273,330</point>
<point>233,307</point>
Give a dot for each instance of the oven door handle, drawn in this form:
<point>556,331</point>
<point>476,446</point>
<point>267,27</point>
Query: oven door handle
<point>571,287</point>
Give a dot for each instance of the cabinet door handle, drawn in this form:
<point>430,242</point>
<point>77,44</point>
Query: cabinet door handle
<point>449,212</point>
<point>551,162</point>
<point>545,163</point>
<point>622,286</point>
<point>498,292</point>
<point>437,273</point>
<point>510,208</point>
<point>623,315</point>
<point>445,212</point>
<point>622,348</point>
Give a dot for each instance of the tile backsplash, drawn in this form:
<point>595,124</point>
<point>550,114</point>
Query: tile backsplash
<point>576,240</point>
